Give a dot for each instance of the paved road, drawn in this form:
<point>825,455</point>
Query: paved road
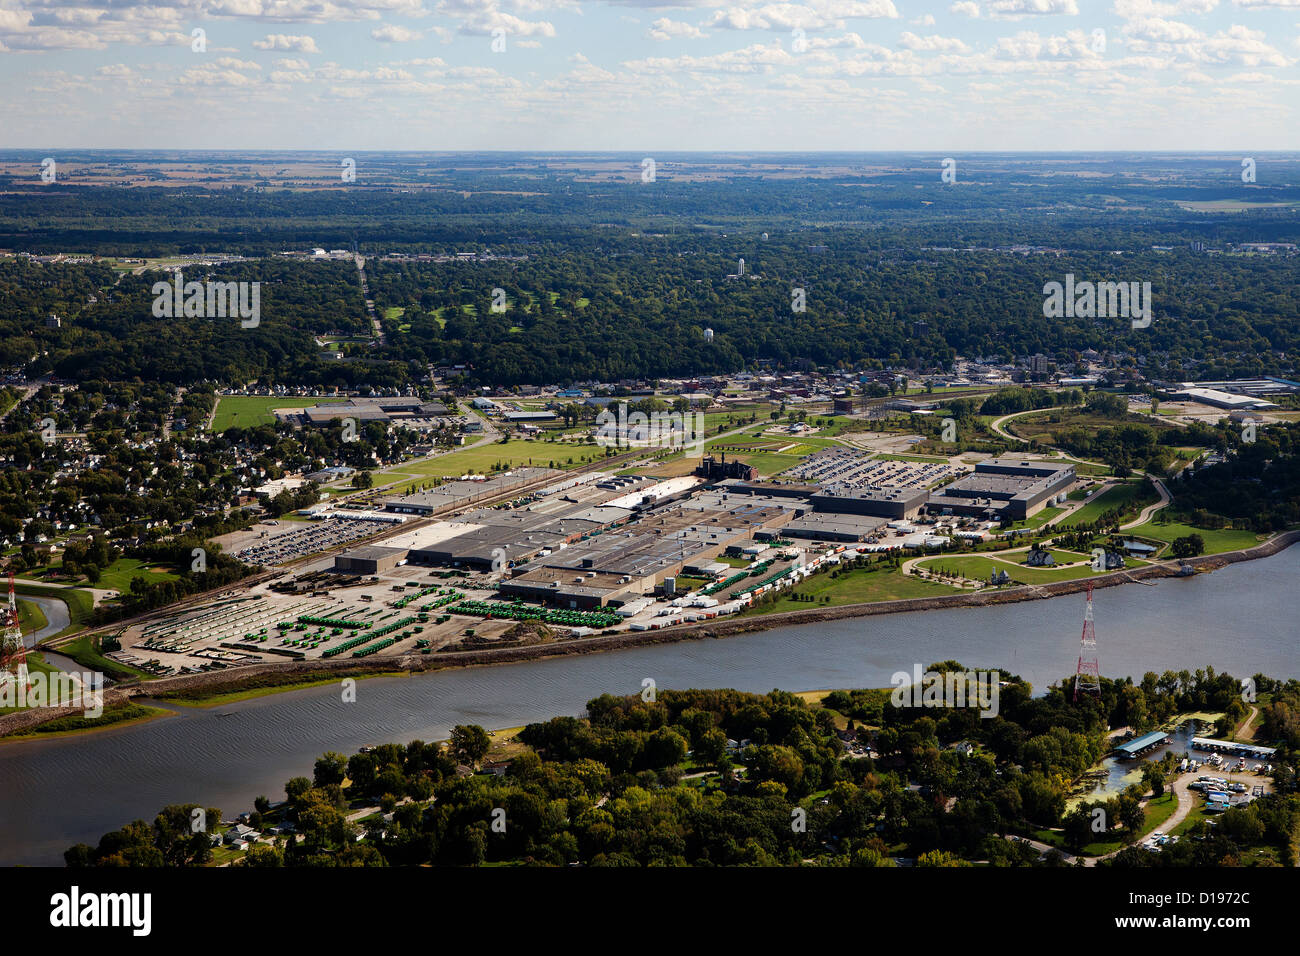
<point>1186,802</point>
<point>995,426</point>
<point>1150,509</point>
<point>375,324</point>
<point>1243,732</point>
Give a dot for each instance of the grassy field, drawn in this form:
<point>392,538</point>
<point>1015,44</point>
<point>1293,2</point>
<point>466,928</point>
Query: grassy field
<point>1038,520</point>
<point>247,411</point>
<point>1216,542</point>
<point>767,462</point>
<point>1194,816</point>
<point>513,454</point>
<point>854,587</point>
<point>979,568</point>
<point>1040,427</point>
<point>116,577</point>
<point>1116,497</point>
<point>30,617</point>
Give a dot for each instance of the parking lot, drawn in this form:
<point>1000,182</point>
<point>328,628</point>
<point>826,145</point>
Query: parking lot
<point>855,469</point>
<point>298,540</point>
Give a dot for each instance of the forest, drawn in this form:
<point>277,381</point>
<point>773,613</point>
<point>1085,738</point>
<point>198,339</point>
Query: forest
<point>610,280</point>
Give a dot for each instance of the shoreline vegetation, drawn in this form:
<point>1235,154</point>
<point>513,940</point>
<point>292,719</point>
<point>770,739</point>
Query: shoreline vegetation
<point>213,688</point>
<point>714,777</point>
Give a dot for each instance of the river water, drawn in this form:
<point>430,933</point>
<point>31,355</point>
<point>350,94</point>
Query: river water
<point>58,792</point>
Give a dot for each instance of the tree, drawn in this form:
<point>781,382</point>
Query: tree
<point>330,768</point>
<point>1188,546</point>
<point>470,743</point>
<point>296,787</point>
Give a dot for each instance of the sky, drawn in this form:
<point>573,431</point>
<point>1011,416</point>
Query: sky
<point>645,75</point>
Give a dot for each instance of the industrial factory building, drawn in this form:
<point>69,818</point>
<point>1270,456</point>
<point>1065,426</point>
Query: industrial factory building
<point>369,559</point>
<point>1007,488</point>
<point>888,503</point>
<point>453,495</point>
<point>621,565</point>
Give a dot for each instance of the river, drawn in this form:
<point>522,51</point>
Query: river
<point>58,792</point>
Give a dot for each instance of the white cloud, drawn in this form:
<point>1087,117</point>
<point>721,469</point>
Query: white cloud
<point>966,8</point>
<point>390,33</point>
<point>914,42</point>
<point>665,29</point>
<point>1161,31</point>
<point>1017,9</point>
<point>1133,9</point>
<point>282,41</point>
<point>758,58</point>
<point>813,15</point>
<point>308,11</point>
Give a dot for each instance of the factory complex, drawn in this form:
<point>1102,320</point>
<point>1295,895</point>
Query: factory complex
<point>600,540</point>
<point>538,555</point>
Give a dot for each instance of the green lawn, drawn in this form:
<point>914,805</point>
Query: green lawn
<point>979,568</point>
<point>854,587</point>
<point>1195,816</point>
<point>30,617</point>
<point>1216,542</point>
<point>1158,810</point>
<point>118,575</point>
<point>513,454</point>
<point>247,411</point>
<point>1038,520</point>
<point>1118,496</point>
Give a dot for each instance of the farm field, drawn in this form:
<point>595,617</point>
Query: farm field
<point>248,411</point>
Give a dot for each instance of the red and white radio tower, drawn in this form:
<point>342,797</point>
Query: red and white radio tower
<point>1087,677</point>
<point>13,653</point>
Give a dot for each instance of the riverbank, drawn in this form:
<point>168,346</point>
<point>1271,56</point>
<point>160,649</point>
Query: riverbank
<point>293,675</point>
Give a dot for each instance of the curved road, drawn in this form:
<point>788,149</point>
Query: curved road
<point>995,426</point>
<point>1150,509</point>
